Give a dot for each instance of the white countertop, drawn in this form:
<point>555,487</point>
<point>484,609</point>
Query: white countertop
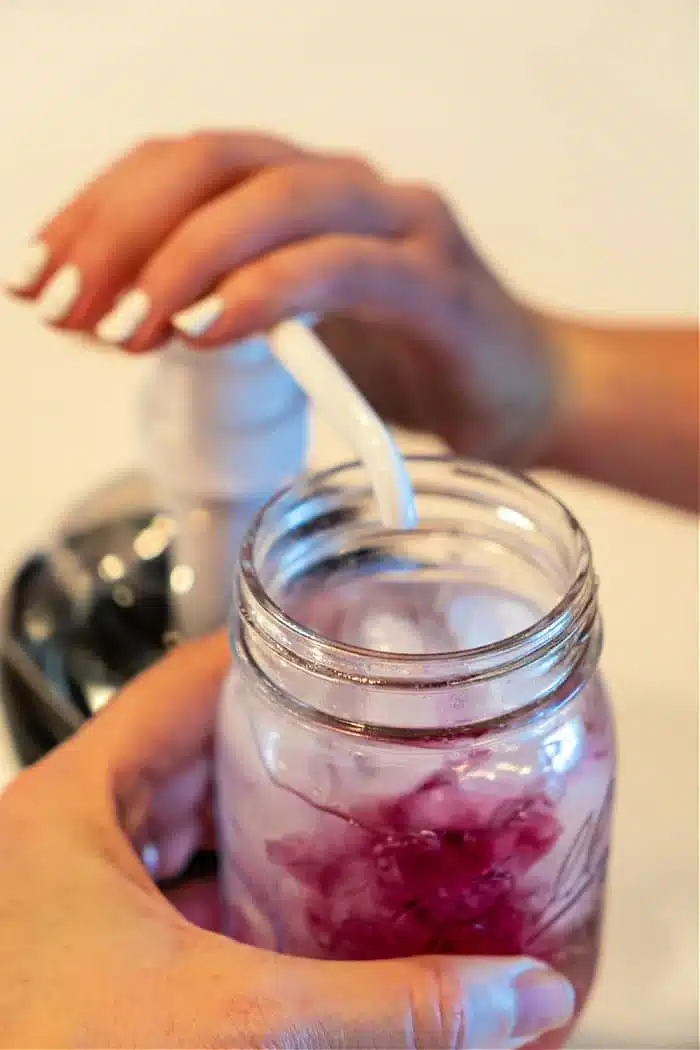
<point>568,135</point>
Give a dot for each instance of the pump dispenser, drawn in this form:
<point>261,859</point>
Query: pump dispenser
<point>223,431</point>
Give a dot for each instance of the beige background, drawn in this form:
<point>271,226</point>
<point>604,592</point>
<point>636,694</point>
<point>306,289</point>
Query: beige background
<point>567,134</point>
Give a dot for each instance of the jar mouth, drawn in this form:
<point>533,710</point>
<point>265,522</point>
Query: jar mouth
<point>568,624</point>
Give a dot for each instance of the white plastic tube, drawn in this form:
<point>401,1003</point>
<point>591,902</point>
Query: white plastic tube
<point>332,393</point>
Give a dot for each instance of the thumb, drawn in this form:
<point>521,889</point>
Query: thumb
<point>437,1002</point>
<point>440,1002</point>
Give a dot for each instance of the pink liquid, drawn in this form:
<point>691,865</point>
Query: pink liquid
<point>454,865</point>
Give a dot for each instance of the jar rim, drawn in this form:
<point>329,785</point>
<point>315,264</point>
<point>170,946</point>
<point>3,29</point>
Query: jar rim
<point>474,729</point>
<point>557,653</point>
<point>510,652</point>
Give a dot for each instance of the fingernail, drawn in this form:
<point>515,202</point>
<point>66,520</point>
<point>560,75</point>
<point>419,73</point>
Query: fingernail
<point>510,1002</point>
<point>198,318</point>
<point>30,267</point>
<point>121,323</point>
<point>151,858</point>
<point>544,1002</point>
<point>60,295</point>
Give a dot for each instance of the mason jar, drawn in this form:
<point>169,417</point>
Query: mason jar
<point>415,747</point>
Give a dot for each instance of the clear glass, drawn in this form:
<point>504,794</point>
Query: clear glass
<point>415,749</point>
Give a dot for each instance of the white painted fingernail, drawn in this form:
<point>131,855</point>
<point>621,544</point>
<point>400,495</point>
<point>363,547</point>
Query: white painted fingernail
<point>150,856</point>
<point>125,318</point>
<point>198,319</point>
<point>30,267</point>
<point>61,293</point>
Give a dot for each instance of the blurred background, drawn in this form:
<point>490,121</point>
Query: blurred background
<point>567,135</point>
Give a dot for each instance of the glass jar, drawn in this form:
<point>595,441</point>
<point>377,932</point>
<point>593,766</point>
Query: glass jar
<point>415,749</point>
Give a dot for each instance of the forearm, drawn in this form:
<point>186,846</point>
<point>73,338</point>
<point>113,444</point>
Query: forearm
<point>628,413</point>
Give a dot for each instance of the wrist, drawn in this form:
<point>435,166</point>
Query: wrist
<point>579,379</point>
<point>626,408</point>
<point>513,417</point>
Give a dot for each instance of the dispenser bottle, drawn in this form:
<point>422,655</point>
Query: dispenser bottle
<point>223,430</point>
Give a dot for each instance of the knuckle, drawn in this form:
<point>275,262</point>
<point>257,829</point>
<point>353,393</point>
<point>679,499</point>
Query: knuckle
<point>103,239</point>
<point>106,223</point>
<point>346,271</point>
<point>227,150</point>
<point>185,245</point>
<point>325,187</point>
<point>356,166</point>
<point>294,186</point>
<point>442,996</point>
<point>272,272</point>
<point>150,147</point>
<point>430,201</point>
<point>335,277</point>
<point>209,148</point>
<point>432,209</point>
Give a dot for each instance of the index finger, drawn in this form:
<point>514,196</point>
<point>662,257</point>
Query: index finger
<point>164,718</point>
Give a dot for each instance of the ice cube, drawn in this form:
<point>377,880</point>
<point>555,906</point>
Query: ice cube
<point>398,617</point>
<point>389,632</point>
<point>482,617</point>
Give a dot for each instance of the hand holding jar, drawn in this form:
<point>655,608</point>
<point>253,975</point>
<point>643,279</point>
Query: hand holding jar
<point>94,954</point>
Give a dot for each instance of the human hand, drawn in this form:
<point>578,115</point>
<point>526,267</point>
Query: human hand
<point>252,230</point>
<point>93,954</point>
